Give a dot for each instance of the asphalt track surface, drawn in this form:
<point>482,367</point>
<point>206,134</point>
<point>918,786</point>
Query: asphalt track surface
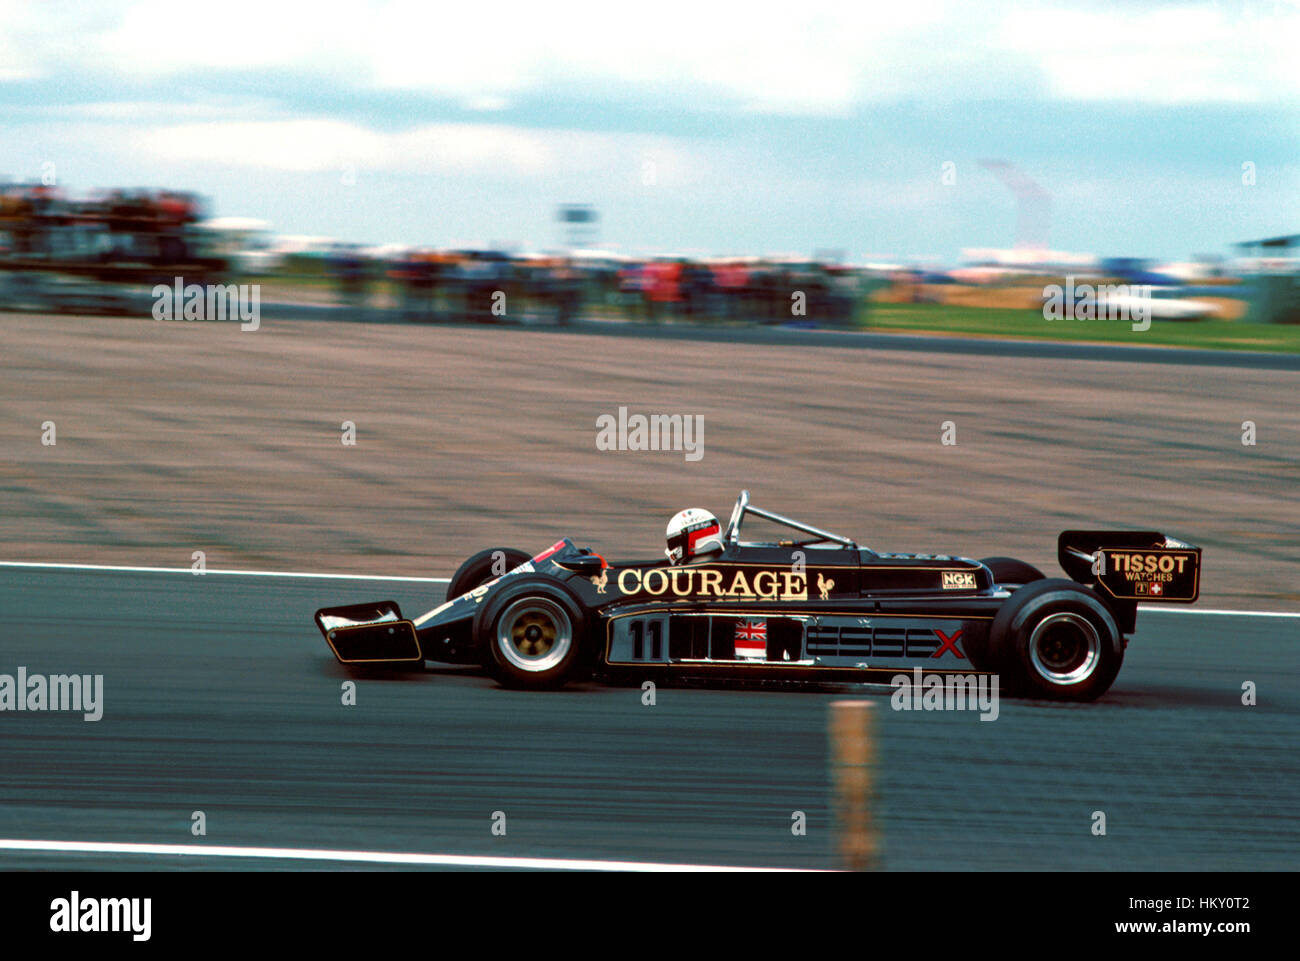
<point>796,335</point>
<point>220,696</point>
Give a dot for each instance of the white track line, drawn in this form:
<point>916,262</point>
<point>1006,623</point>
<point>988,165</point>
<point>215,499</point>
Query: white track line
<point>212,570</point>
<point>1153,609</point>
<point>364,857</point>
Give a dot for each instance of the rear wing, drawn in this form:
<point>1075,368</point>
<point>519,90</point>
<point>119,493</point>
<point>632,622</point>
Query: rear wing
<point>1132,565</point>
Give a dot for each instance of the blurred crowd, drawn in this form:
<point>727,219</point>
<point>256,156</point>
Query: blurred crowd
<point>39,222</point>
<point>485,286</point>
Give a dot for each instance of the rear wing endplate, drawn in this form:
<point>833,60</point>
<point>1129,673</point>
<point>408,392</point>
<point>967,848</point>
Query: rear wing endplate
<point>1132,565</point>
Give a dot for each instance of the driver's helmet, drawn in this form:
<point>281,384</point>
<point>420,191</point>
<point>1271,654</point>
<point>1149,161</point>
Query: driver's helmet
<point>692,532</point>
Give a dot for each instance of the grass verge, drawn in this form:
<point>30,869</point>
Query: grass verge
<point>1030,325</point>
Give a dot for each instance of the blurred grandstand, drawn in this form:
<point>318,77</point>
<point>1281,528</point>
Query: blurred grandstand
<point>88,254</point>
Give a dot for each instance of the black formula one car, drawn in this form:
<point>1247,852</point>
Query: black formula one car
<point>816,606</point>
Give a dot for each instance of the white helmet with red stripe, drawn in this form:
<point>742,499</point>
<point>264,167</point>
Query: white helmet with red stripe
<point>693,532</point>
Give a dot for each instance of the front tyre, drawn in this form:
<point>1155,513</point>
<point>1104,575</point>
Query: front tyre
<point>1056,638</point>
<point>483,567</point>
<point>531,636</point>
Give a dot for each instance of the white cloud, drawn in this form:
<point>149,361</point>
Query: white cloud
<point>25,41</point>
<point>817,56</point>
<point>1195,54</point>
<point>821,56</point>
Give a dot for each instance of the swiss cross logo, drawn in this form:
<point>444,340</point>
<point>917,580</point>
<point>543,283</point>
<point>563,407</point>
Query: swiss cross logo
<point>948,643</point>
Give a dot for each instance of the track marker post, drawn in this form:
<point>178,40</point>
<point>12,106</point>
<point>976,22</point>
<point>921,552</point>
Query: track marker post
<point>853,758</point>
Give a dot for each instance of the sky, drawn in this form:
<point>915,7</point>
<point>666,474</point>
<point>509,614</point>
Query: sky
<point>1155,129</point>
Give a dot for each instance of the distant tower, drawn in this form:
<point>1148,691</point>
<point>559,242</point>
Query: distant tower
<point>579,225</point>
<point>1033,205</point>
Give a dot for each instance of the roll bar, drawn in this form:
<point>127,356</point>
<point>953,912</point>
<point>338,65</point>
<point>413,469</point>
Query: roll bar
<point>743,507</point>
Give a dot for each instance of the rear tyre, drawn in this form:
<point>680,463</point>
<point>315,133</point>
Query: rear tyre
<point>1009,571</point>
<point>483,567</point>
<point>1057,639</point>
<point>531,635</point>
